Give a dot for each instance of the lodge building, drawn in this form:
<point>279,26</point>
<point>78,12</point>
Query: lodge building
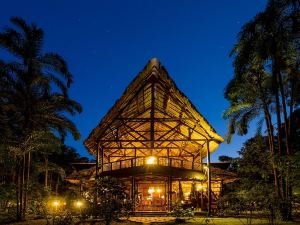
<point>156,141</point>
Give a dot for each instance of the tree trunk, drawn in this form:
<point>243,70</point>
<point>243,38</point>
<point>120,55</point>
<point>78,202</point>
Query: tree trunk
<point>18,183</point>
<point>27,167</point>
<point>283,101</point>
<point>278,87</point>
<point>46,171</point>
<point>57,183</point>
<point>270,130</point>
<point>291,107</point>
<point>23,191</point>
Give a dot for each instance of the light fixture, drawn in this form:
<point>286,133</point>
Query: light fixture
<point>151,160</point>
<point>151,190</point>
<point>158,190</point>
<point>55,203</point>
<point>78,204</point>
<point>199,187</point>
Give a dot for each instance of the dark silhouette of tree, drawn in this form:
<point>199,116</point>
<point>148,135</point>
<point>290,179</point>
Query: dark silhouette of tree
<point>34,92</point>
<point>266,77</point>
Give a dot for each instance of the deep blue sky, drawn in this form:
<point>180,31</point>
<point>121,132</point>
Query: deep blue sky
<point>106,43</point>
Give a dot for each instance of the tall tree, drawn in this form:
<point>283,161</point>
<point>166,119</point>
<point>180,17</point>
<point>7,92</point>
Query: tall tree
<point>269,44</point>
<point>36,94</point>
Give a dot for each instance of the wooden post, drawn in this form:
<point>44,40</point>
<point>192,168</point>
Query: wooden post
<point>97,161</point>
<point>166,195</point>
<point>133,192</point>
<point>102,159</point>
<point>208,178</point>
<point>168,153</point>
<point>169,193</point>
<point>221,187</point>
<point>134,157</point>
<point>202,206</point>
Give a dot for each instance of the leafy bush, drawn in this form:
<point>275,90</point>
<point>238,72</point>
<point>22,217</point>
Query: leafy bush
<point>112,201</point>
<point>181,214</point>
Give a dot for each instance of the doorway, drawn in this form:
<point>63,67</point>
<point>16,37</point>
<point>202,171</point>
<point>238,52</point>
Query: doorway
<point>151,196</point>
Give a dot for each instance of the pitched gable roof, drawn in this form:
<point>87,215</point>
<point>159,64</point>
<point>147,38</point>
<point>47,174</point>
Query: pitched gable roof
<point>153,114</point>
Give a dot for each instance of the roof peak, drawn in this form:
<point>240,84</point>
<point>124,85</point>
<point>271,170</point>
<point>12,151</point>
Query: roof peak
<point>154,62</point>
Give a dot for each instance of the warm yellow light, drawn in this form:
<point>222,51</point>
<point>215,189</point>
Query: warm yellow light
<point>199,187</point>
<point>151,160</point>
<point>78,204</point>
<point>158,190</point>
<point>151,190</point>
<point>56,203</point>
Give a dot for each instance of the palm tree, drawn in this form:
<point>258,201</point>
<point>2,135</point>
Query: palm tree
<point>250,98</point>
<point>31,96</point>
<point>270,44</point>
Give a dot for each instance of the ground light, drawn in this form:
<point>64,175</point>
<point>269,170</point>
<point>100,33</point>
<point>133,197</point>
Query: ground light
<point>56,204</point>
<point>78,204</point>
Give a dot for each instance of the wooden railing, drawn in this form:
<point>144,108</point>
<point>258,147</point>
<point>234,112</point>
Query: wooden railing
<point>160,161</point>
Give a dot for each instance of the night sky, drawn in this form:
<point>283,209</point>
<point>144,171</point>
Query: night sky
<point>106,43</point>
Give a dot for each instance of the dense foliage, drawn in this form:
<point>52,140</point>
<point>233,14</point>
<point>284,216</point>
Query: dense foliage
<point>111,200</point>
<point>34,105</point>
<point>265,88</point>
<point>253,191</point>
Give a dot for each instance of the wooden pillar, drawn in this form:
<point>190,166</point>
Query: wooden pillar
<point>168,155</point>
<point>208,178</point>
<point>166,195</point>
<point>202,203</point>
<point>169,193</point>
<point>97,161</point>
<point>102,159</point>
<point>134,157</point>
<point>221,188</point>
<point>133,192</point>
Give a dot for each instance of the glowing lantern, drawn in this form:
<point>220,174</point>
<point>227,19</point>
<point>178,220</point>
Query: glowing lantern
<point>151,160</point>
<point>151,191</point>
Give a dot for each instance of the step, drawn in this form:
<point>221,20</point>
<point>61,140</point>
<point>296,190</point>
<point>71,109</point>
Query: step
<point>149,213</point>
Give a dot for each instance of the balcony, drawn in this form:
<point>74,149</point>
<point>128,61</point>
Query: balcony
<point>153,164</point>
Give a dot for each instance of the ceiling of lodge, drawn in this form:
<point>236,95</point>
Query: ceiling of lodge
<point>153,117</point>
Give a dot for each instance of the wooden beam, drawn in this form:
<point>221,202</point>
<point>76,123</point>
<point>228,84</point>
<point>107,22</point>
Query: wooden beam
<point>152,115</point>
<point>119,112</point>
<point>208,179</point>
<point>102,159</point>
<point>165,140</point>
<point>97,160</point>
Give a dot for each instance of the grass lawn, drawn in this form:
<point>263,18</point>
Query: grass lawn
<point>229,221</point>
<point>213,221</point>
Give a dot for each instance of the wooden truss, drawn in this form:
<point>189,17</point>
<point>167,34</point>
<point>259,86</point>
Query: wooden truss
<point>152,118</point>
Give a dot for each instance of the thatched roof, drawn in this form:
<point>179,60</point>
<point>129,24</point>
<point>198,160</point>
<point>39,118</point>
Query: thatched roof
<point>152,117</point>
